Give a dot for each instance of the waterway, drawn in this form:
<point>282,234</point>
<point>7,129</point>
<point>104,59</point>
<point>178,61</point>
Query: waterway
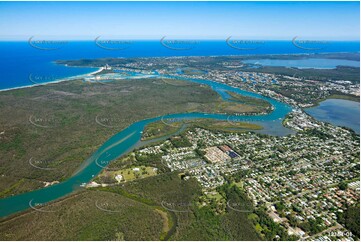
<point>124,141</point>
<point>313,63</point>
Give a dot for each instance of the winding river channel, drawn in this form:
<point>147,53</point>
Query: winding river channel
<point>127,139</point>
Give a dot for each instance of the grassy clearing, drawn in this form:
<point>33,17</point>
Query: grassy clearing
<point>160,129</point>
<point>168,127</point>
<point>256,102</point>
<point>128,174</point>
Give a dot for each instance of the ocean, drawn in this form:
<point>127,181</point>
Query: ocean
<point>21,60</point>
<point>23,64</point>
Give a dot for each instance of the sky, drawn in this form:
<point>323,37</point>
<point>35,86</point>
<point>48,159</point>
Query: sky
<point>199,20</point>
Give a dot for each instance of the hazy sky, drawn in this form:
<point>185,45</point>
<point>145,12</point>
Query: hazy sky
<point>257,20</point>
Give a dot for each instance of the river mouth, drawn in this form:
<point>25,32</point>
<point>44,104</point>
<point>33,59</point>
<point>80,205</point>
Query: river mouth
<point>128,138</point>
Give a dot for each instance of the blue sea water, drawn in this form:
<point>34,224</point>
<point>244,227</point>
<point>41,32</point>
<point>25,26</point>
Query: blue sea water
<point>19,59</point>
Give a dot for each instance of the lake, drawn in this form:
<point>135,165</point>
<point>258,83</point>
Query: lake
<point>338,112</point>
<point>305,63</point>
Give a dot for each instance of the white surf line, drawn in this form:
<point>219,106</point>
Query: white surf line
<point>53,82</point>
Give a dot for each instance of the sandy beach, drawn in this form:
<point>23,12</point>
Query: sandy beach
<point>56,81</point>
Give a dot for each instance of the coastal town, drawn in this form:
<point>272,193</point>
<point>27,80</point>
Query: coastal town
<point>305,181</point>
<point>296,90</point>
<point>180,120</point>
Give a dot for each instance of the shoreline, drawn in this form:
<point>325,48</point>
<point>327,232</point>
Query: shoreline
<point>20,202</point>
<point>156,57</point>
<point>95,72</point>
<point>336,96</point>
<point>53,82</point>
<point>306,54</point>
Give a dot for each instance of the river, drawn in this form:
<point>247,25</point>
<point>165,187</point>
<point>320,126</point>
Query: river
<point>124,141</point>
